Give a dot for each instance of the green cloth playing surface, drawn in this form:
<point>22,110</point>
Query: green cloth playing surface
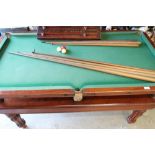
<point>17,72</point>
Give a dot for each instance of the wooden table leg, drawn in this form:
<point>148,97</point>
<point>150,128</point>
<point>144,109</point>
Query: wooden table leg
<point>135,115</point>
<point>20,122</point>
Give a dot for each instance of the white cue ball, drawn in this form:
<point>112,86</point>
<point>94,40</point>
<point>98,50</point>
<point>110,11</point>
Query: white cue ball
<point>58,49</point>
<point>64,51</point>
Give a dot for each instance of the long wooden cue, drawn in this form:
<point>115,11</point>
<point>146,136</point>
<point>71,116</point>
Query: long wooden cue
<point>106,66</point>
<point>101,41</point>
<point>88,67</point>
<point>147,74</point>
<point>83,62</point>
<point>50,58</point>
<point>124,68</point>
<point>98,43</point>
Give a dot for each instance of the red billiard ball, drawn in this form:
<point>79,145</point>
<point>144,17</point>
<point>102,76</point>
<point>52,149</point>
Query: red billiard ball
<point>63,50</point>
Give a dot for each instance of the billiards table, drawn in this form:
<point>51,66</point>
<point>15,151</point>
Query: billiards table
<point>30,85</point>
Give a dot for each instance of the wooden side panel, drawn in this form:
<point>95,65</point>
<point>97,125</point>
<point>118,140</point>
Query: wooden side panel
<point>47,105</point>
<point>117,91</point>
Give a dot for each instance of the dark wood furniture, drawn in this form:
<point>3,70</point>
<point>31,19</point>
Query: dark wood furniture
<point>69,32</point>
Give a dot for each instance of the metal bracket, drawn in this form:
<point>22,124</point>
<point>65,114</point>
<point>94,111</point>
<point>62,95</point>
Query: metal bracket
<point>78,96</point>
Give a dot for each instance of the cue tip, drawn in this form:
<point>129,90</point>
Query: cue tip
<point>43,41</point>
<point>46,42</point>
<point>52,43</point>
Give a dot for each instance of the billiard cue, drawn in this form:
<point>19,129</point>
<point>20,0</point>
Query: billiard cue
<point>147,74</point>
<point>78,64</point>
<point>83,62</point>
<point>100,44</point>
<point>91,67</point>
<point>144,72</point>
<point>121,67</point>
<point>97,43</point>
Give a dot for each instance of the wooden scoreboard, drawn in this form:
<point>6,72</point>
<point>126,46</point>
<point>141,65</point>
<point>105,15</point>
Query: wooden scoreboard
<point>69,32</point>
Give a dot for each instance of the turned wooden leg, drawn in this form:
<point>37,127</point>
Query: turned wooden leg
<point>134,116</point>
<point>20,122</point>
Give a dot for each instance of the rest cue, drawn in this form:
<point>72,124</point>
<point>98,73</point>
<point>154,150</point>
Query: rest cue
<point>87,66</point>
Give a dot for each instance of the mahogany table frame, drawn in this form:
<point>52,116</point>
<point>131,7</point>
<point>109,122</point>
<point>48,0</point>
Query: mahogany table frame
<point>137,99</point>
